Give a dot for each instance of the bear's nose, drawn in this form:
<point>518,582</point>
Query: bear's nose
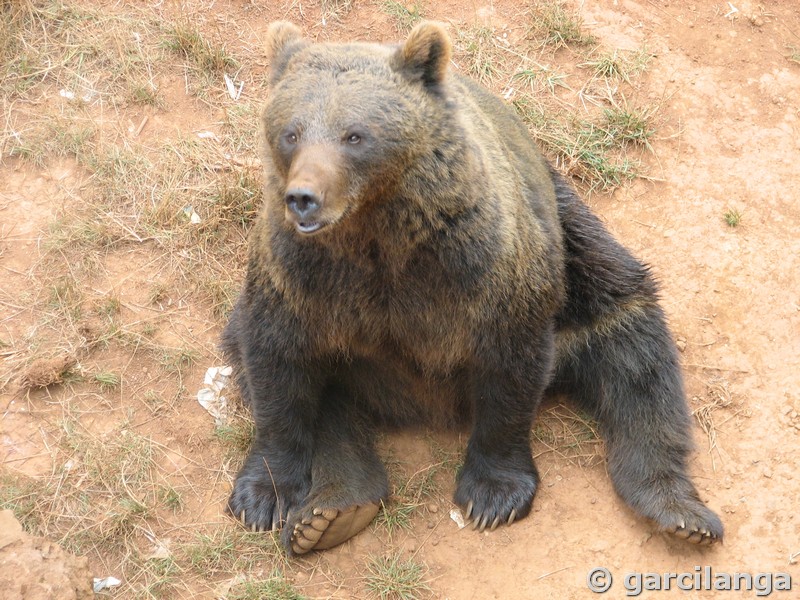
<point>303,202</point>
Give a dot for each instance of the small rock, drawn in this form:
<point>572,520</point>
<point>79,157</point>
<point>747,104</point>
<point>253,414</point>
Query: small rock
<point>681,344</point>
<point>432,508</point>
<point>431,524</point>
<point>434,542</point>
<point>10,528</point>
<point>32,568</point>
<point>767,472</point>
<point>47,371</point>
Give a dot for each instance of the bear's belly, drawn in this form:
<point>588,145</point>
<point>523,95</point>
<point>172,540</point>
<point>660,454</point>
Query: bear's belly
<point>401,389</point>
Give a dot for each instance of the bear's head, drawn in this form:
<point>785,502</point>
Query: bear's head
<point>345,123</point>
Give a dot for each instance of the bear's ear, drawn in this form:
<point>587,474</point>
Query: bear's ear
<point>425,55</point>
<point>283,39</point>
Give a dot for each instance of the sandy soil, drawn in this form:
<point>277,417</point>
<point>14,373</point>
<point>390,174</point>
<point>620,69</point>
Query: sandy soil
<point>729,103</point>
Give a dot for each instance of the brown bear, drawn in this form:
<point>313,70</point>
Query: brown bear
<point>417,260</point>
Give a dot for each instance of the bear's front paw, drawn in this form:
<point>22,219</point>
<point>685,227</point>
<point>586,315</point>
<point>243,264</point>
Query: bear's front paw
<point>262,504</point>
<point>491,496</point>
<point>689,519</point>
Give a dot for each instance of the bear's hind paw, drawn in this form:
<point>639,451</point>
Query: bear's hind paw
<point>323,528</point>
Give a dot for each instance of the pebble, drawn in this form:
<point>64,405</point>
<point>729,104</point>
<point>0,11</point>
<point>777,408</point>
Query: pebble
<point>681,344</point>
<point>432,508</point>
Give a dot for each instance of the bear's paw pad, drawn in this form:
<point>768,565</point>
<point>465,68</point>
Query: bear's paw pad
<point>325,528</point>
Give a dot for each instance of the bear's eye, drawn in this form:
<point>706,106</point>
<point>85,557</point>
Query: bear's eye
<point>354,139</point>
<point>291,138</point>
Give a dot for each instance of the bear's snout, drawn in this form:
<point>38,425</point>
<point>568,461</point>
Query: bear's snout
<point>312,198</point>
<point>303,202</point>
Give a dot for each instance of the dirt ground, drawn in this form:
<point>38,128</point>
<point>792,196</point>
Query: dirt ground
<point>725,81</point>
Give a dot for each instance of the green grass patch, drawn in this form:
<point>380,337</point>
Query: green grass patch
<point>207,57</point>
<point>24,495</point>
<point>404,14</point>
<point>229,549</point>
<point>393,578</point>
<point>618,63</point>
<point>275,587</point>
<point>555,23</point>
<point>107,380</point>
<point>732,217</point>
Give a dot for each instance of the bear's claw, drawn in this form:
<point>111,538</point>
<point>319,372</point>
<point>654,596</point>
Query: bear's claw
<point>695,530</point>
<point>481,524</point>
<point>701,537</point>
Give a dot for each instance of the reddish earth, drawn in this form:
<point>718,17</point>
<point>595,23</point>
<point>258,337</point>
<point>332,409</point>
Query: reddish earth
<point>728,101</point>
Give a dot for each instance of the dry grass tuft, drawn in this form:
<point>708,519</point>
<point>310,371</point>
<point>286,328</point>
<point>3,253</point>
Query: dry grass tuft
<point>717,398</point>
<point>555,23</point>
<point>481,53</point>
<point>570,434</point>
<point>393,577</point>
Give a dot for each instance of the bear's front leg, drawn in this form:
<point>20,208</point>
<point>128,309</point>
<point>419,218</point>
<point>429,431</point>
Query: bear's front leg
<point>276,476</point>
<point>498,480</point>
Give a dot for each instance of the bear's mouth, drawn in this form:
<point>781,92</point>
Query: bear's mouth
<point>307,228</point>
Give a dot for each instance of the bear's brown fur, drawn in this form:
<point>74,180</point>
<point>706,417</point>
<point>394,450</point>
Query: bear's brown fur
<point>417,258</point>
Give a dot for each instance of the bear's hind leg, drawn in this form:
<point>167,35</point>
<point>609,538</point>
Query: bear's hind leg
<point>348,480</point>
<point>625,371</point>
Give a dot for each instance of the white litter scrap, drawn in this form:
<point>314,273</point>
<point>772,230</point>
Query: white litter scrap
<point>70,95</point>
<point>456,515</point>
<point>232,91</point>
<point>160,551</point>
<point>210,397</point>
<point>98,585</point>
<point>193,217</point>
